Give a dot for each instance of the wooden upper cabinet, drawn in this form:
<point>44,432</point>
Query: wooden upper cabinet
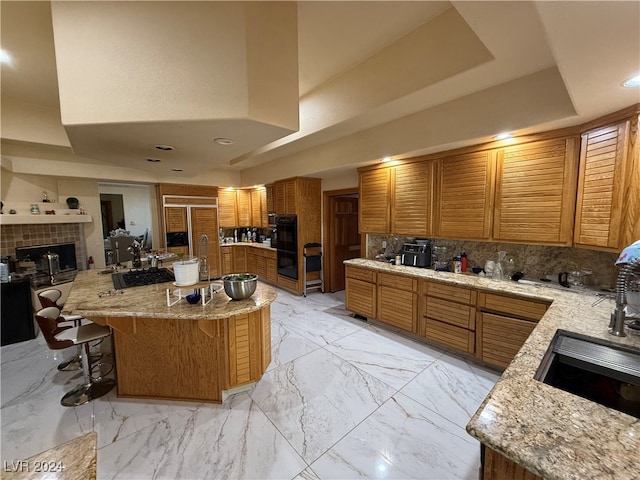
<point>243,198</point>
<point>464,196</point>
<point>601,186</point>
<point>284,201</point>
<point>257,196</point>
<point>290,196</point>
<point>279,198</point>
<point>412,199</point>
<point>270,200</point>
<point>374,201</point>
<point>536,192</point>
<point>175,219</point>
<point>227,208</point>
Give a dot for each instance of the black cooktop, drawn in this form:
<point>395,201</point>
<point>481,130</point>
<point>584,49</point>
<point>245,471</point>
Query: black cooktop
<point>139,278</point>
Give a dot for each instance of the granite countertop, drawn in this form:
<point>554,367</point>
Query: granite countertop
<point>74,460</point>
<point>247,244</point>
<point>151,300</point>
<point>552,433</point>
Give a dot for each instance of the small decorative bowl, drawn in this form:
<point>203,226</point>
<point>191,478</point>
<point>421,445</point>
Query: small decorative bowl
<point>193,298</point>
<point>476,270</point>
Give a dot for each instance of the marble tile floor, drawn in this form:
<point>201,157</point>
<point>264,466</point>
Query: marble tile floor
<point>342,399</point>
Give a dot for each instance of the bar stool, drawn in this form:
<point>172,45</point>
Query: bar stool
<point>49,298</point>
<point>58,337</point>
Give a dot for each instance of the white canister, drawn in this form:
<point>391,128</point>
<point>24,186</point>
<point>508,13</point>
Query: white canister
<point>187,272</point>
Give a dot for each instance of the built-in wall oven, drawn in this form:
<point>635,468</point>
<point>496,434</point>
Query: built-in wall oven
<point>287,246</point>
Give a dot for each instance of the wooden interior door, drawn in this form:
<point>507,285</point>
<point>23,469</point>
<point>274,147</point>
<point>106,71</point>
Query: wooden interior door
<point>342,240</point>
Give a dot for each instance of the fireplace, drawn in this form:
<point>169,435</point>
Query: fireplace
<point>13,237</point>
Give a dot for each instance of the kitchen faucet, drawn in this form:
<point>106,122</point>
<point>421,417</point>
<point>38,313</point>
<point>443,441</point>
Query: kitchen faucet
<point>631,267</point>
<point>203,243</point>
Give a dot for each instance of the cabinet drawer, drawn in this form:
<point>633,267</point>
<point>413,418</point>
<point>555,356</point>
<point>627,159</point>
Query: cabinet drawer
<point>449,335</point>
<point>360,274</point>
<point>450,312</point>
<point>513,306</point>
<point>448,292</point>
<point>500,338</point>
<point>399,282</point>
<point>360,297</point>
<point>397,308</point>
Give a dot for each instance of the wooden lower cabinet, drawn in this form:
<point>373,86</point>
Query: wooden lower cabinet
<point>360,297</point>
<point>503,324</point>
<point>271,266</point>
<point>398,301</point>
<point>446,334</point>
<point>252,261</point>
<point>448,315</point>
<point>500,338</point>
<point>397,308</point>
<point>496,466</point>
<point>491,326</point>
<point>360,291</point>
<point>239,259</point>
<point>247,357</point>
<point>227,260</point>
<point>288,283</point>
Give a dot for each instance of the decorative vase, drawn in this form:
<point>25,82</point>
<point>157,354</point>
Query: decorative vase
<point>73,202</point>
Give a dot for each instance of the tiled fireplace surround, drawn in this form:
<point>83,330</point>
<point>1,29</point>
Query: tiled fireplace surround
<point>535,261</point>
<point>12,236</point>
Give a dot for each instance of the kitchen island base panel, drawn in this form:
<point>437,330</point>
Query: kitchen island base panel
<point>194,360</point>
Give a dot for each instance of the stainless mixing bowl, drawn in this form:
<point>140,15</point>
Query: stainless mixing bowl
<point>240,285</point>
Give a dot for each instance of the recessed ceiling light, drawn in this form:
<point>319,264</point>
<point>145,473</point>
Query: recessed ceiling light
<point>632,82</point>
<point>166,148</point>
<point>176,170</point>
<point>153,160</point>
<point>386,159</point>
<point>223,141</point>
<point>503,136</point>
<point>4,56</point>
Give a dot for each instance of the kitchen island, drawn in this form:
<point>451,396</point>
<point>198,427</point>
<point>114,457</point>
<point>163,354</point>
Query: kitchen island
<point>550,432</point>
<point>181,352</point>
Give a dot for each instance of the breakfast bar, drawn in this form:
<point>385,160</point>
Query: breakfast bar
<point>182,352</point>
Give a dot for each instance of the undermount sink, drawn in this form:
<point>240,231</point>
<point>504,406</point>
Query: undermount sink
<point>594,369</point>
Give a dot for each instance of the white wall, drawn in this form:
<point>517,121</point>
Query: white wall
<point>86,191</point>
<point>137,206</point>
<point>340,180</point>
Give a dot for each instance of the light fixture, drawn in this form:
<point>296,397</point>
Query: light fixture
<point>503,136</point>
<point>223,141</point>
<point>4,56</point>
<point>632,82</point>
<point>153,160</point>
<point>176,170</point>
<point>166,148</point>
<point>386,159</point>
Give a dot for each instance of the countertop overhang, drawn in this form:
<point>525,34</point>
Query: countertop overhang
<point>150,301</point>
<point>552,433</point>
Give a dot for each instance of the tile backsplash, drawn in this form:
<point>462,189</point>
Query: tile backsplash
<point>535,261</point>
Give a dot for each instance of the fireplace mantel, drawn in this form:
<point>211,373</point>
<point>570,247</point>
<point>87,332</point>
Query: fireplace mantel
<point>17,219</point>
<point>23,215</point>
